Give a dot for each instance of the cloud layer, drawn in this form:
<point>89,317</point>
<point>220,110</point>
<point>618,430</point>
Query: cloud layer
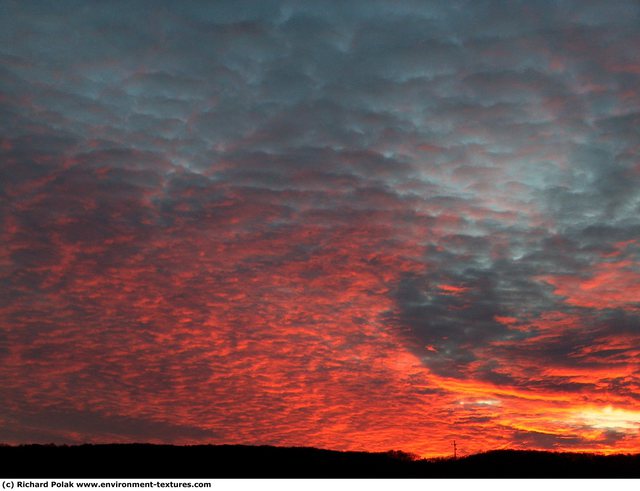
<point>369,225</point>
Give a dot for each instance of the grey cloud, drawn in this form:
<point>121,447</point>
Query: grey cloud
<point>101,427</point>
<point>498,139</point>
<point>534,439</point>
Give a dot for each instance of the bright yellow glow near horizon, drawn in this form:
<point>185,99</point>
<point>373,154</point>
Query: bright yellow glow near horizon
<point>610,418</point>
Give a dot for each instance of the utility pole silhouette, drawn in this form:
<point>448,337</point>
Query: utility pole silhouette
<point>455,450</point>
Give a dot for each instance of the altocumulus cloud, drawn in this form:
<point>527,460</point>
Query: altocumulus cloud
<point>319,223</point>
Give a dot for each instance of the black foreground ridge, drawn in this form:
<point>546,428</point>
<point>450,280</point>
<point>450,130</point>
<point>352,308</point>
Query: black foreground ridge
<point>240,461</point>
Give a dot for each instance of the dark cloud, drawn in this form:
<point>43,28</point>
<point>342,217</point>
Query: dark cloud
<point>261,202</point>
<point>535,439</point>
<point>50,425</point>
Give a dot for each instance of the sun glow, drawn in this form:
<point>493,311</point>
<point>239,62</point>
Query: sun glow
<point>610,418</point>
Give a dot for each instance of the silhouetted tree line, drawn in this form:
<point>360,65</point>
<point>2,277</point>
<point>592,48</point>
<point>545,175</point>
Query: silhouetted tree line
<point>215,461</point>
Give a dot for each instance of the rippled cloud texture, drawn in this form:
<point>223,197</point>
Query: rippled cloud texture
<point>352,225</point>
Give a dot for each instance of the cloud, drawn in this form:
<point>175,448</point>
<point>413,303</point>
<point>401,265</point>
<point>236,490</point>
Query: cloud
<point>318,224</point>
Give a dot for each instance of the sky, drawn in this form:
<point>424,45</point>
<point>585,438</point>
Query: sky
<point>363,225</point>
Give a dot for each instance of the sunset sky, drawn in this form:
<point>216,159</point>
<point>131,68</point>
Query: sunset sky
<point>362,225</point>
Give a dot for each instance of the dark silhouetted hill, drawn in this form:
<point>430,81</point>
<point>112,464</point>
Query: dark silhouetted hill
<point>238,461</point>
